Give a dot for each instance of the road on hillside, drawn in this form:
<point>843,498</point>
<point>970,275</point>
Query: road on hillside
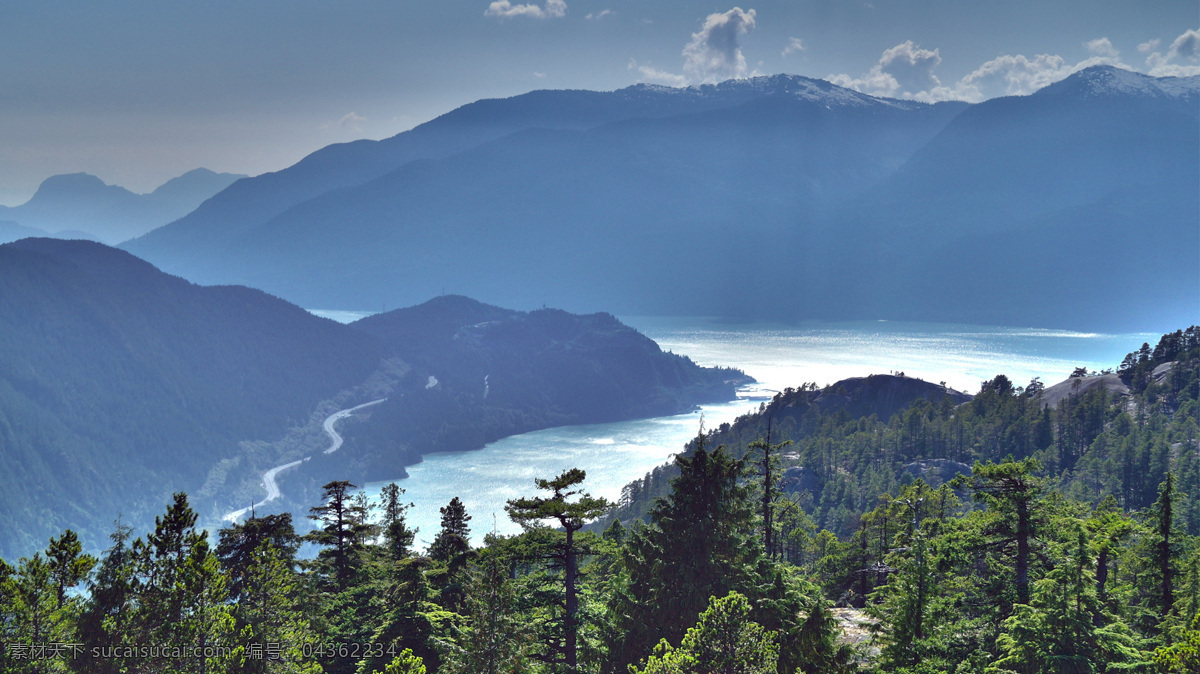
<point>268,478</point>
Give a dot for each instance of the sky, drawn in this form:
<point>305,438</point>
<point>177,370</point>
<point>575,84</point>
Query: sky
<point>140,91</point>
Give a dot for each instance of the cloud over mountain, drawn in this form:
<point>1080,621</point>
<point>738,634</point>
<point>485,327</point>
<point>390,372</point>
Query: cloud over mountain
<point>714,53</point>
<point>1181,60</point>
<point>908,71</point>
<point>904,71</point>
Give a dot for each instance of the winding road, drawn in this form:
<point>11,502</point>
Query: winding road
<point>268,478</point>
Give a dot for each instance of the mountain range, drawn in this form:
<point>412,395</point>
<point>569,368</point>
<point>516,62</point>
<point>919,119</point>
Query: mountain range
<point>120,384</point>
<point>775,197</point>
<point>82,206</point>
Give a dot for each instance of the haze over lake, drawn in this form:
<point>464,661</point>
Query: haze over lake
<point>778,356</point>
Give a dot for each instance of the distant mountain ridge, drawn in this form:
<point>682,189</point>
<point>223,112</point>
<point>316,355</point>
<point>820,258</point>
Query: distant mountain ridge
<point>653,200</point>
<point>800,143</point>
<point>83,205</point>
<point>1045,209</point>
<point>256,200</point>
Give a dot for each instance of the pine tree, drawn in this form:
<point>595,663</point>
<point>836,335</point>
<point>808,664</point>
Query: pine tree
<point>569,508</point>
<point>342,535</point>
<point>496,638</point>
<point>238,547</point>
<point>454,538</point>
<point>179,589</point>
<point>1064,628</point>
<point>768,465</point>
<point>398,537</point>
<point>452,548</point>
<point>108,614</point>
<point>1014,521</point>
<point>1110,529</point>
<point>68,565</point>
<point>32,614</point>
<point>271,626</point>
<point>700,544</point>
<point>1164,546</point>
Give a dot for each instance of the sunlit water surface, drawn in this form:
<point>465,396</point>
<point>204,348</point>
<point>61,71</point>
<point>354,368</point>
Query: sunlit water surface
<point>778,357</point>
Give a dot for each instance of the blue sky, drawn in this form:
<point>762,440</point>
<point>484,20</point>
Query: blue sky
<point>137,92</point>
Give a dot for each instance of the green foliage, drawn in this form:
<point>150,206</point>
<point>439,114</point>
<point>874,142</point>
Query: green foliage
<point>395,529</point>
<point>180,589</point>
<point>1064,629</point>
<point>724,641</point>
<point>240,546</point>
<point>270,610</point>
<point>451,547</point>
<point>1183,656</point>
<point>700,544</point>
<point>405,663</point>
<point>68,565</point>
<point>342,535</point>
<point>495,639</point>
<point>570,508</point>
<point>1037,572</point>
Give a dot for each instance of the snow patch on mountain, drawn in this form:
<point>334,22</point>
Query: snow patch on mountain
<point>803,88</point>
<point>1112,81</point>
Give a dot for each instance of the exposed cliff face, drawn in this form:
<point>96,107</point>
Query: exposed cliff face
<point>1054,395</point>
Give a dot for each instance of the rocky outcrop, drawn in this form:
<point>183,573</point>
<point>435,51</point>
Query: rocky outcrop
<point>1053,395</point>
<point>935,472</point>
<point>800,479</point>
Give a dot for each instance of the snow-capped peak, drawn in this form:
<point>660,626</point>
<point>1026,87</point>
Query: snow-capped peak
<point>803,88</point>
<point>1112,81</point>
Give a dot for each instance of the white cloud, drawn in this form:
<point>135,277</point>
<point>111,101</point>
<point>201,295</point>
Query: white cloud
<point>907,71</point>
<point>1102,47</point>
<point>904,71</point>
<point>596,16</point>
<point>1019,75</point>
<point>350,121</point>
<point>714,53</point>
<point>655,76</point>
<point>540,76</point>
<point>1010,75</point>
<point>1187,46</point>
<point>794,45</point>
<point>1181,60</point>
<point>504,9</point>
<point>1149,46</point>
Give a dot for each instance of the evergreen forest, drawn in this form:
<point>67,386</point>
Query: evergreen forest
<point>1018,532</point>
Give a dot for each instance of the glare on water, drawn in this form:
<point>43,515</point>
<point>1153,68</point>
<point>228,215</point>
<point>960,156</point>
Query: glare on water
<point>778,356</point>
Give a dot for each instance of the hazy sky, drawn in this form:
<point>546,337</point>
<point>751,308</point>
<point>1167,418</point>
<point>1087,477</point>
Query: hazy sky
<point>137,92</point>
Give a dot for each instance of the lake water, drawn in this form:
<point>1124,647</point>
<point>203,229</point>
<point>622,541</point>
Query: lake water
<point>778,356</point>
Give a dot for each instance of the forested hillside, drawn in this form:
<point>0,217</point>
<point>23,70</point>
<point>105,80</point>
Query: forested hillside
<point>500,372</point>
<point>1070,545</point>
<point>119,383</point>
